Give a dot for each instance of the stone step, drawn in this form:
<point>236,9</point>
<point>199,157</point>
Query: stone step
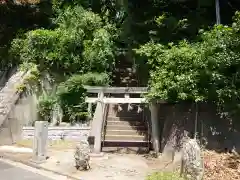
<point>124,70</point>
<point>129,78</point>
<point>125,138</point>
<point>133,132</point>
<point>124,109</point>
<point>128,81</point>
<point>126,127</point>
<point>125,150</point>
<point>127,75</point>
<point>124,113</point>
<point>125,123</point>
<point>114,118</point>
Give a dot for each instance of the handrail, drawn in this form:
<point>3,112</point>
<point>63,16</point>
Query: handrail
<point>21,77</point>
<point>9,103</point>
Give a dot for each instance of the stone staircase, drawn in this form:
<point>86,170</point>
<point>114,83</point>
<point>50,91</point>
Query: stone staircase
<point>125,75</point>
<point>125,131</point>
<point>9,94</point>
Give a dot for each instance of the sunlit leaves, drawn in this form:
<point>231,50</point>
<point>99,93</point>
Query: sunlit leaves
<point>79,18</point>
<point>200,71</point>
<point>99,51</point>
<point>78,51</point>
<point>79,44</point>
<point>174,71</point>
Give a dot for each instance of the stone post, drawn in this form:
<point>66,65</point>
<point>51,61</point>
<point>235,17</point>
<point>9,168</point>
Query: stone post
<point>40,141</point>
<point>98,133</point>
<point>155,127</point>
<point>95,138</point>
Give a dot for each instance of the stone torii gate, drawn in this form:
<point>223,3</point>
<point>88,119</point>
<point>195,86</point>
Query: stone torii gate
<point>100,112</point>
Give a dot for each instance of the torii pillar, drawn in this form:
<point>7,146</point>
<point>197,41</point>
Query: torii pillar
<point>155,127</point>
<point>96,126</point>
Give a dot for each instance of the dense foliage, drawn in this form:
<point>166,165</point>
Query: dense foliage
<point>79,42</point>
<point>71,93</point>
<point>17,17</point>
<point>207,70</point>
<point>78,49</point>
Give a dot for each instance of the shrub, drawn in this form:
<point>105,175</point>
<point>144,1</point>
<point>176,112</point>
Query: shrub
<point>71,94</point>
<point>164,176</point>
<point>45,107</point>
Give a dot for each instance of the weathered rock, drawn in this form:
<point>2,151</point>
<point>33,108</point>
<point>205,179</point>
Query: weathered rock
<point>175,145</point>
<point>192,166</point>
<point>81,155</point>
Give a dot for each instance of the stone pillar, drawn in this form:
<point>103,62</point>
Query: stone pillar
<point>95,138</point>
<point>98,130</point>
<point>40,141</point>
<point>155,127</point>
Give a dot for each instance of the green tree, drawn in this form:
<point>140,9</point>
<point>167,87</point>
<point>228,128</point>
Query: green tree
<point>207,70</point>
<point>80,43</point>
<point>71,93</point>
<point>17,17</point>
<point>79,51</point>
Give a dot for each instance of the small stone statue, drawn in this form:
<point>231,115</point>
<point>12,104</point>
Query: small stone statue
<point>81,155</point>
<point>192,166</point>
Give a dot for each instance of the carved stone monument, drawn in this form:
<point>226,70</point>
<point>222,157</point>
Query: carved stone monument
<point>40,141</point>
<point>192,167</point>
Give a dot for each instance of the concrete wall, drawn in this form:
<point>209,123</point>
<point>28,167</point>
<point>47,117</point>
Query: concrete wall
<point>25,113</point>
<point>57,133</point>
<point>10,131</point>
<point>25,110</point>
<point>22,117</point>
<point>22,113</point>
<point>175,119</point>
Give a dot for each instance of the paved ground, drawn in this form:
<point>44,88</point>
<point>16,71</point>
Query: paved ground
<point>10,172</point>
<point>109,167</point>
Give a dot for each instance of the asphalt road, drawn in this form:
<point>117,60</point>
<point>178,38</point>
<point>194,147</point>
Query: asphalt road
<point>9,172</point>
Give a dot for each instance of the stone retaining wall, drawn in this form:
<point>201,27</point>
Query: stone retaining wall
<point>56,133</point>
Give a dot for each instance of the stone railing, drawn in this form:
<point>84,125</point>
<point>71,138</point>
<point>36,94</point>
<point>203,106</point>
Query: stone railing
<point>57,133</point>
<point>9,94</point>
